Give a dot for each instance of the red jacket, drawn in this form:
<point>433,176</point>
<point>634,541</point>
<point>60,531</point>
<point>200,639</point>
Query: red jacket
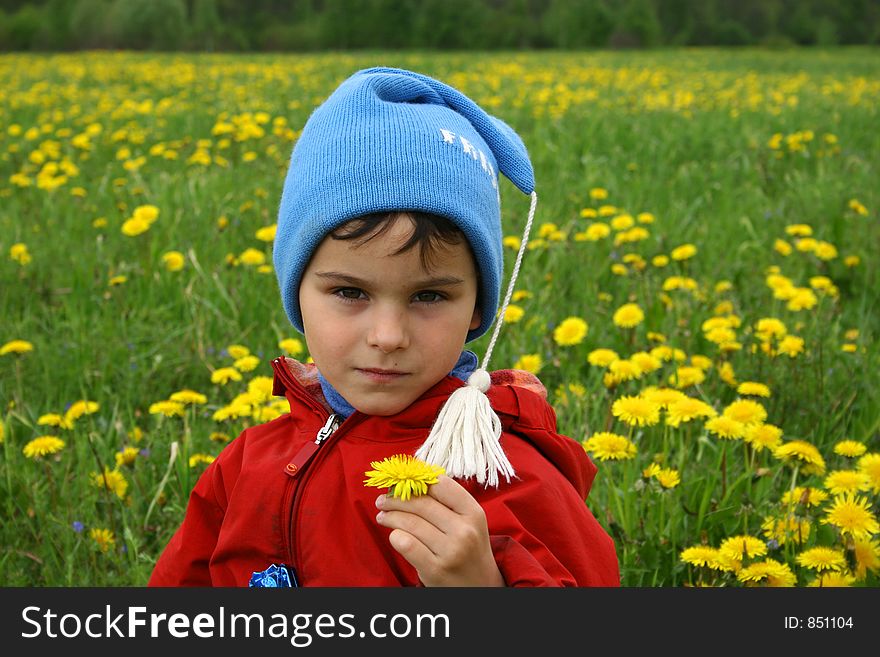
<point>270,498</point>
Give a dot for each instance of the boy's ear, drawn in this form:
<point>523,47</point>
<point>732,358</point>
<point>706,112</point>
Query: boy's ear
<point>476,319</point>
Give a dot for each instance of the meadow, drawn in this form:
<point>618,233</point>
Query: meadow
<point>699,295</point>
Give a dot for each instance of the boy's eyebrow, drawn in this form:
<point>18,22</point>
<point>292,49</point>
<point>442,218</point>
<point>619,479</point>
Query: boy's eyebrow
<point>439,281</point>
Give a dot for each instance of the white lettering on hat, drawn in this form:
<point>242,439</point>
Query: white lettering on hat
<point>475,153</point>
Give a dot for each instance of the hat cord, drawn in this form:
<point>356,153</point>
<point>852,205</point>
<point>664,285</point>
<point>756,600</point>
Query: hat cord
<point>512,284</point>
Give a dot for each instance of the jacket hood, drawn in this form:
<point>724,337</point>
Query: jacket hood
<point>518,398</point>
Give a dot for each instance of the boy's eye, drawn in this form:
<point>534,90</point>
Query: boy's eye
<point>351,293</point>
<point>429,297</point>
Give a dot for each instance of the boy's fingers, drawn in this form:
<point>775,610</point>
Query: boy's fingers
<point>453,495</point>
<point>413,526</point>
<point>411,549</point>
<point>424,506</point>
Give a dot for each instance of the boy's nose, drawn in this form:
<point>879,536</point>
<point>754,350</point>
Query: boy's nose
<point>388,331</point>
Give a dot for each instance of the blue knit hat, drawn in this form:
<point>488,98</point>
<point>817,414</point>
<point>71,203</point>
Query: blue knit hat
<point>386,140</point>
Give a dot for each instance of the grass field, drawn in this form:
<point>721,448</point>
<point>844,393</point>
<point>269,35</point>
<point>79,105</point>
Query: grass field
<point>709,216</point>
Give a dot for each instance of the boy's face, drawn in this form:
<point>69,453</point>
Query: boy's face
<point>365,310</point>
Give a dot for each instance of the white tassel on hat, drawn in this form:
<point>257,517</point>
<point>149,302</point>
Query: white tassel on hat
<point>465,438</point>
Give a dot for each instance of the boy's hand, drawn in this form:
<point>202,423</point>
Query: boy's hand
<point>443,535</point>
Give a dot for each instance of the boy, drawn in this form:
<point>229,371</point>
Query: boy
<point>388,256</point>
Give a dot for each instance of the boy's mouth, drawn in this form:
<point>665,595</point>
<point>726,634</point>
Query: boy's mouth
<point>380,376</point>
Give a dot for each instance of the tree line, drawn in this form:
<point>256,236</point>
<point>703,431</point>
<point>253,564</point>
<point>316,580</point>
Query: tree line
<point>306,25</point>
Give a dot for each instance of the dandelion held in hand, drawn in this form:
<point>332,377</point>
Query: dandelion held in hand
<point>405,476</point>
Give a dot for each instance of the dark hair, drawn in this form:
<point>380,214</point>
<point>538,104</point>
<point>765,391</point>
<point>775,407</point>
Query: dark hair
<point>430,232</point>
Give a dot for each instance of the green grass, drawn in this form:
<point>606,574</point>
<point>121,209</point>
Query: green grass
<point>683,135</point>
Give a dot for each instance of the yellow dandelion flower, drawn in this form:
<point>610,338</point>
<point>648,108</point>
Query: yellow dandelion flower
<point>405,476</point>
<point>628,316</point>
<point>686,376</point>
<point>198,459</point>
<point>602,357</point>
<point>219,437</point>
<point>512,242</point>
<point>867,554</point>
<point>725,427</point>
<point>769,572</point>
<point>745,411</point>
<point>636,411</point>
<point>266,233</point>
<point>683,252</point>
<point>173,260</point>
<point>237,351</point>
<point>42,446</point>
<point>782,247</point>
<point>807,496</point>
<point>651,471</point>
<point>799,230</point>
<point>833,580</point>
<point>597,231</point>
<point>605,446</point>
<point>79,408</point>
<point>103,538</point>
<point>292,346</point>
<point>664,397</point>
<point>625,370</point>
<point>112,480</point>
<point>660,261</point>
<point>529,363</point>
<point>246,363</point>
<point>188,396</point>
<point>768,328</point>
<point>699,555</point>
<point>646,362</point>
<point>870,465</point>
<point>224,375</point>
<point>856,206</point>
<point>134,227</point>
<point>622,222</point>
<point>126,456</point>
<point>260,389</point>
<point>791,346</point>
<point>753,389</point>
<point>763,436</point>
<point>849,448</point>
<point>802,453</point>
<point>20,254</point>
<point>252,257</point>
<point>167,408</point>
<point>852,261</point>
<point>726,373</point>
<point>720,335</point>
<point>571,331</point>
<point>148,213</point>
<point>686,409</point>
<point>739,547</point>
<point>847,481</point>
<point>852,516</point>
<point>54,420</point>
<point>702,362</point>
<point>16,347</point>
<point>598,193</point>
<point>822,558</point>
<point>513,314</point>
<point>668,477</point>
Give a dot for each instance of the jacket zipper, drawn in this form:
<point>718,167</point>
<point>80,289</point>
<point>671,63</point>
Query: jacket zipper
<point>307,455</point>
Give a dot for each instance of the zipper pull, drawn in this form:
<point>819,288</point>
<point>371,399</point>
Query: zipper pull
<point>304,455</point>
